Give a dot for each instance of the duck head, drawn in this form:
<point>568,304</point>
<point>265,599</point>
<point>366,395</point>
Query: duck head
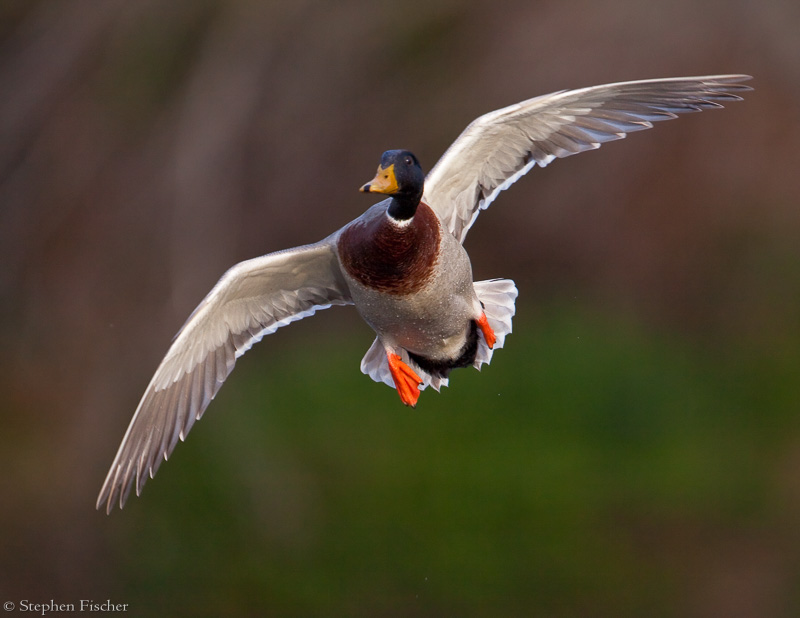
<point>400,176</point>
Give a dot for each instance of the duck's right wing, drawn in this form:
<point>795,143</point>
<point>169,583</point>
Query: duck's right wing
<point>498,148</point>
<point>252,299</point>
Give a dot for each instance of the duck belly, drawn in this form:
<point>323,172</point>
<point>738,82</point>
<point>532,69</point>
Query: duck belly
<point>433,322</point>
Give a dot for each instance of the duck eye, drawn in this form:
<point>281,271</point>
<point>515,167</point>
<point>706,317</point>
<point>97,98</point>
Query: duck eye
<point>409,161</point>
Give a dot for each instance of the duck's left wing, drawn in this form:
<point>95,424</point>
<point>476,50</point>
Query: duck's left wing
<point>252,299</point>
<point>498,148</point>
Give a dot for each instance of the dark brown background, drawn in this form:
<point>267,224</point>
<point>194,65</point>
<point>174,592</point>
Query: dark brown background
<point>145,147</point>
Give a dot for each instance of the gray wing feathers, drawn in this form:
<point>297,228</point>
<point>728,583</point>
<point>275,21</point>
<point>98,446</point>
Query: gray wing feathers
<point>499,147</point>
<point>253,299</point>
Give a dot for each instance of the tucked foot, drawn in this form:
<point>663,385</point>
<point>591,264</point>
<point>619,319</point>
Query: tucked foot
<point>405,379</point>
<point>487,331</point>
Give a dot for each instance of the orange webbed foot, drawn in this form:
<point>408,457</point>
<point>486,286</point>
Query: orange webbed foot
<point>405,379</point>
<point>487,331</point>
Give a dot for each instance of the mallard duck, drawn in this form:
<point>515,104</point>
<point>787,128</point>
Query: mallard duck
<point>401,264</point>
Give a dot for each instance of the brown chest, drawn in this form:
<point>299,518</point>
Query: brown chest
<point>391,257</point>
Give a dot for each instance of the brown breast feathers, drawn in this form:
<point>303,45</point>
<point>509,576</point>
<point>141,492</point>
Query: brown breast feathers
<point>391,258</point>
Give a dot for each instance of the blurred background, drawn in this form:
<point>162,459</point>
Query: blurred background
<point>635,448</point>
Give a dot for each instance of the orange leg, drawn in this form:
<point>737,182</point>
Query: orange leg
<point>487,331</point>
<point>405,379</point>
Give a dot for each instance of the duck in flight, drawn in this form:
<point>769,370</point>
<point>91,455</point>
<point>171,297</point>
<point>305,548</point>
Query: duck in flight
<point>401,264</point>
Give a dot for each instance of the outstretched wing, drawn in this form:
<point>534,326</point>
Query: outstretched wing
<point>498,148</point>
<point>252,299</point>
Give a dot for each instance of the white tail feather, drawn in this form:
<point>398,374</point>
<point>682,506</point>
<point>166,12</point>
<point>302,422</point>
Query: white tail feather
<point>497,296</point>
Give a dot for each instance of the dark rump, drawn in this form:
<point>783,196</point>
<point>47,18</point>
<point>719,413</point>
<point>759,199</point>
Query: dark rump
<point>442,368</point>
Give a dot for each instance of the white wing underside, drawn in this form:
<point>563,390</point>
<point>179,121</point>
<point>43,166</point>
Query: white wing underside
<point>252,299</point>
<point>500,147</point>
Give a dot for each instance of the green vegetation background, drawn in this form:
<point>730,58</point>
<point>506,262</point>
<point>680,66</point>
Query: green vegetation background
<point>576,475</point>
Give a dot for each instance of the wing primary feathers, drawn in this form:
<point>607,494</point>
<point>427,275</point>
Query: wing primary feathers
<point>466,179</point>
<point>252,299</point>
